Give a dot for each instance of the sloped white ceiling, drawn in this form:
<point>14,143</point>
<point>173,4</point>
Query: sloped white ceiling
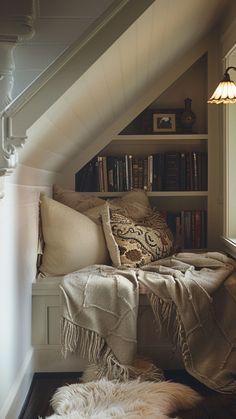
<point>100,103</point>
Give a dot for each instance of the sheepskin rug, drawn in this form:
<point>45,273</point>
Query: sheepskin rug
<point>105,399</point>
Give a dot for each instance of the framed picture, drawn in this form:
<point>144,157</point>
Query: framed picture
<point>164,122</point>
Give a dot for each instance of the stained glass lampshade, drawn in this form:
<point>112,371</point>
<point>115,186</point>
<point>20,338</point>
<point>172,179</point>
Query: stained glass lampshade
<point>225,91</point>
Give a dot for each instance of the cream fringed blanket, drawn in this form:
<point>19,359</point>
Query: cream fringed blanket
<point>192,295</point>
<point>99,316</point>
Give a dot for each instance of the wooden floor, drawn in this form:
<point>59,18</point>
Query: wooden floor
<point>213,406</point>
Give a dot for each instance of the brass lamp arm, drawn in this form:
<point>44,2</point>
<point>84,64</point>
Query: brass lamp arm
<point>226,75</point>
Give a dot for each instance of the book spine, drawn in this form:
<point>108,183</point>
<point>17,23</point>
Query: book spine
<point>154,172</point>
<point>150,172</point>
<point>140,173</point>
<point>130,164</point>
<point>178,234</point>
<point>116,174</point>
<point>187,230</point>
<point>145,174</point>
<point>204,170</point>
<point>195,174</point>
<point>135,172</point>
<point>78,180</point>
<point>160,171</point>
<point>193,230</point>
<point>110,173</point>
<point>182,172</point>
<point>203,228</point>
<point>100,174</point>
<point>188,174</point>
<point>198,222</point>
<point>199,168</point>
<point>121,174</point>
<point>104,172</point>
<point>126,183</point>
<point>172,171</point>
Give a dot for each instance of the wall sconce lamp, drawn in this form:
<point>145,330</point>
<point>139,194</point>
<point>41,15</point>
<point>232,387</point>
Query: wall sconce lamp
<point>225,91</point>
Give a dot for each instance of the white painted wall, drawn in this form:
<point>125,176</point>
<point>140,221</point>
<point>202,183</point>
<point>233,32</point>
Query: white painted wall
<point>18,250</point>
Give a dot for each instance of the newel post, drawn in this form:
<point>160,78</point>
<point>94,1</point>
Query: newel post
<point>16,24</point>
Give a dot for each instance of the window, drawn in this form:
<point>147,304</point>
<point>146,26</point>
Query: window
<point>230,166</point>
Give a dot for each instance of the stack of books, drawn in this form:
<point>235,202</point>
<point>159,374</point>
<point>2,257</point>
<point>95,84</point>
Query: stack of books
<point>189,228</point>
<point>168,171</point>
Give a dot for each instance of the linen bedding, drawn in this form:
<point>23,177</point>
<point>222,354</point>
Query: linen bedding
<point>192,295</point>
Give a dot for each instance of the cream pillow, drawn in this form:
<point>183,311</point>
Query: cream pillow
<point>78,201</point>
<point>72,240</point>
<point>135,243</point>
<point>135,204</point>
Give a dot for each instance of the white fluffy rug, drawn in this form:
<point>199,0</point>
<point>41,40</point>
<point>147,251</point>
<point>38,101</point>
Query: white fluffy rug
<point>105,399</point>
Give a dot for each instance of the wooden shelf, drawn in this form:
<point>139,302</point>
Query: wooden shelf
<point>153,140</point>
<point>161,137</point>
<point>151,194</point>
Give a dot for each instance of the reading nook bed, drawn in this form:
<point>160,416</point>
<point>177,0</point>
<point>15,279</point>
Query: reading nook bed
<point>112,277</point>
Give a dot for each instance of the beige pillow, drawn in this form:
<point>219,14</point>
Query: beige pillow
<point>135,243</point>
<point>135,204</point>
<point>133,210</point>
<point>78,201</point>
<point>72,240</point>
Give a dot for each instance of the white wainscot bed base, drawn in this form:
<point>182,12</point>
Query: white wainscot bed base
<point>46,312</point>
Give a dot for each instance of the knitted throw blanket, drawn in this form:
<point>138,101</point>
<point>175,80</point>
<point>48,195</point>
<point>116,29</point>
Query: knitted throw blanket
<point>192,295</point>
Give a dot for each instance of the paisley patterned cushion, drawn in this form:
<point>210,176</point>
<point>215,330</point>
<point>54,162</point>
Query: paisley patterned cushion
<point>136,243</point>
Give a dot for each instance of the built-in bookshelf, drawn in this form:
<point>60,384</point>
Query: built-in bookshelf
<point>172,168</point>
<point>174,163</point>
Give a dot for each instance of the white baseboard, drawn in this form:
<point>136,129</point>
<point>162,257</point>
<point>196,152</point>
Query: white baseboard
<point>48,358</point>
<point>19,390</point>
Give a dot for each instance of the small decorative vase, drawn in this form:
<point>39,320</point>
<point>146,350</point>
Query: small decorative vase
<point>188,117</point>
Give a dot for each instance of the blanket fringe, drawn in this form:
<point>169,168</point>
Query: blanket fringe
<point>166,315</point>
<point>75,338</point>
<point>102,361</point>
<point>93,347</point>
<point>109,368</point>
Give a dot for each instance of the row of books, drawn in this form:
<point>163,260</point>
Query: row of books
<point>168,171</point>
<point>189,228</point>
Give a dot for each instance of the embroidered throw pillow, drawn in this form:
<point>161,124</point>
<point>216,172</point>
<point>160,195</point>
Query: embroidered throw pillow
<point>135,243</point>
